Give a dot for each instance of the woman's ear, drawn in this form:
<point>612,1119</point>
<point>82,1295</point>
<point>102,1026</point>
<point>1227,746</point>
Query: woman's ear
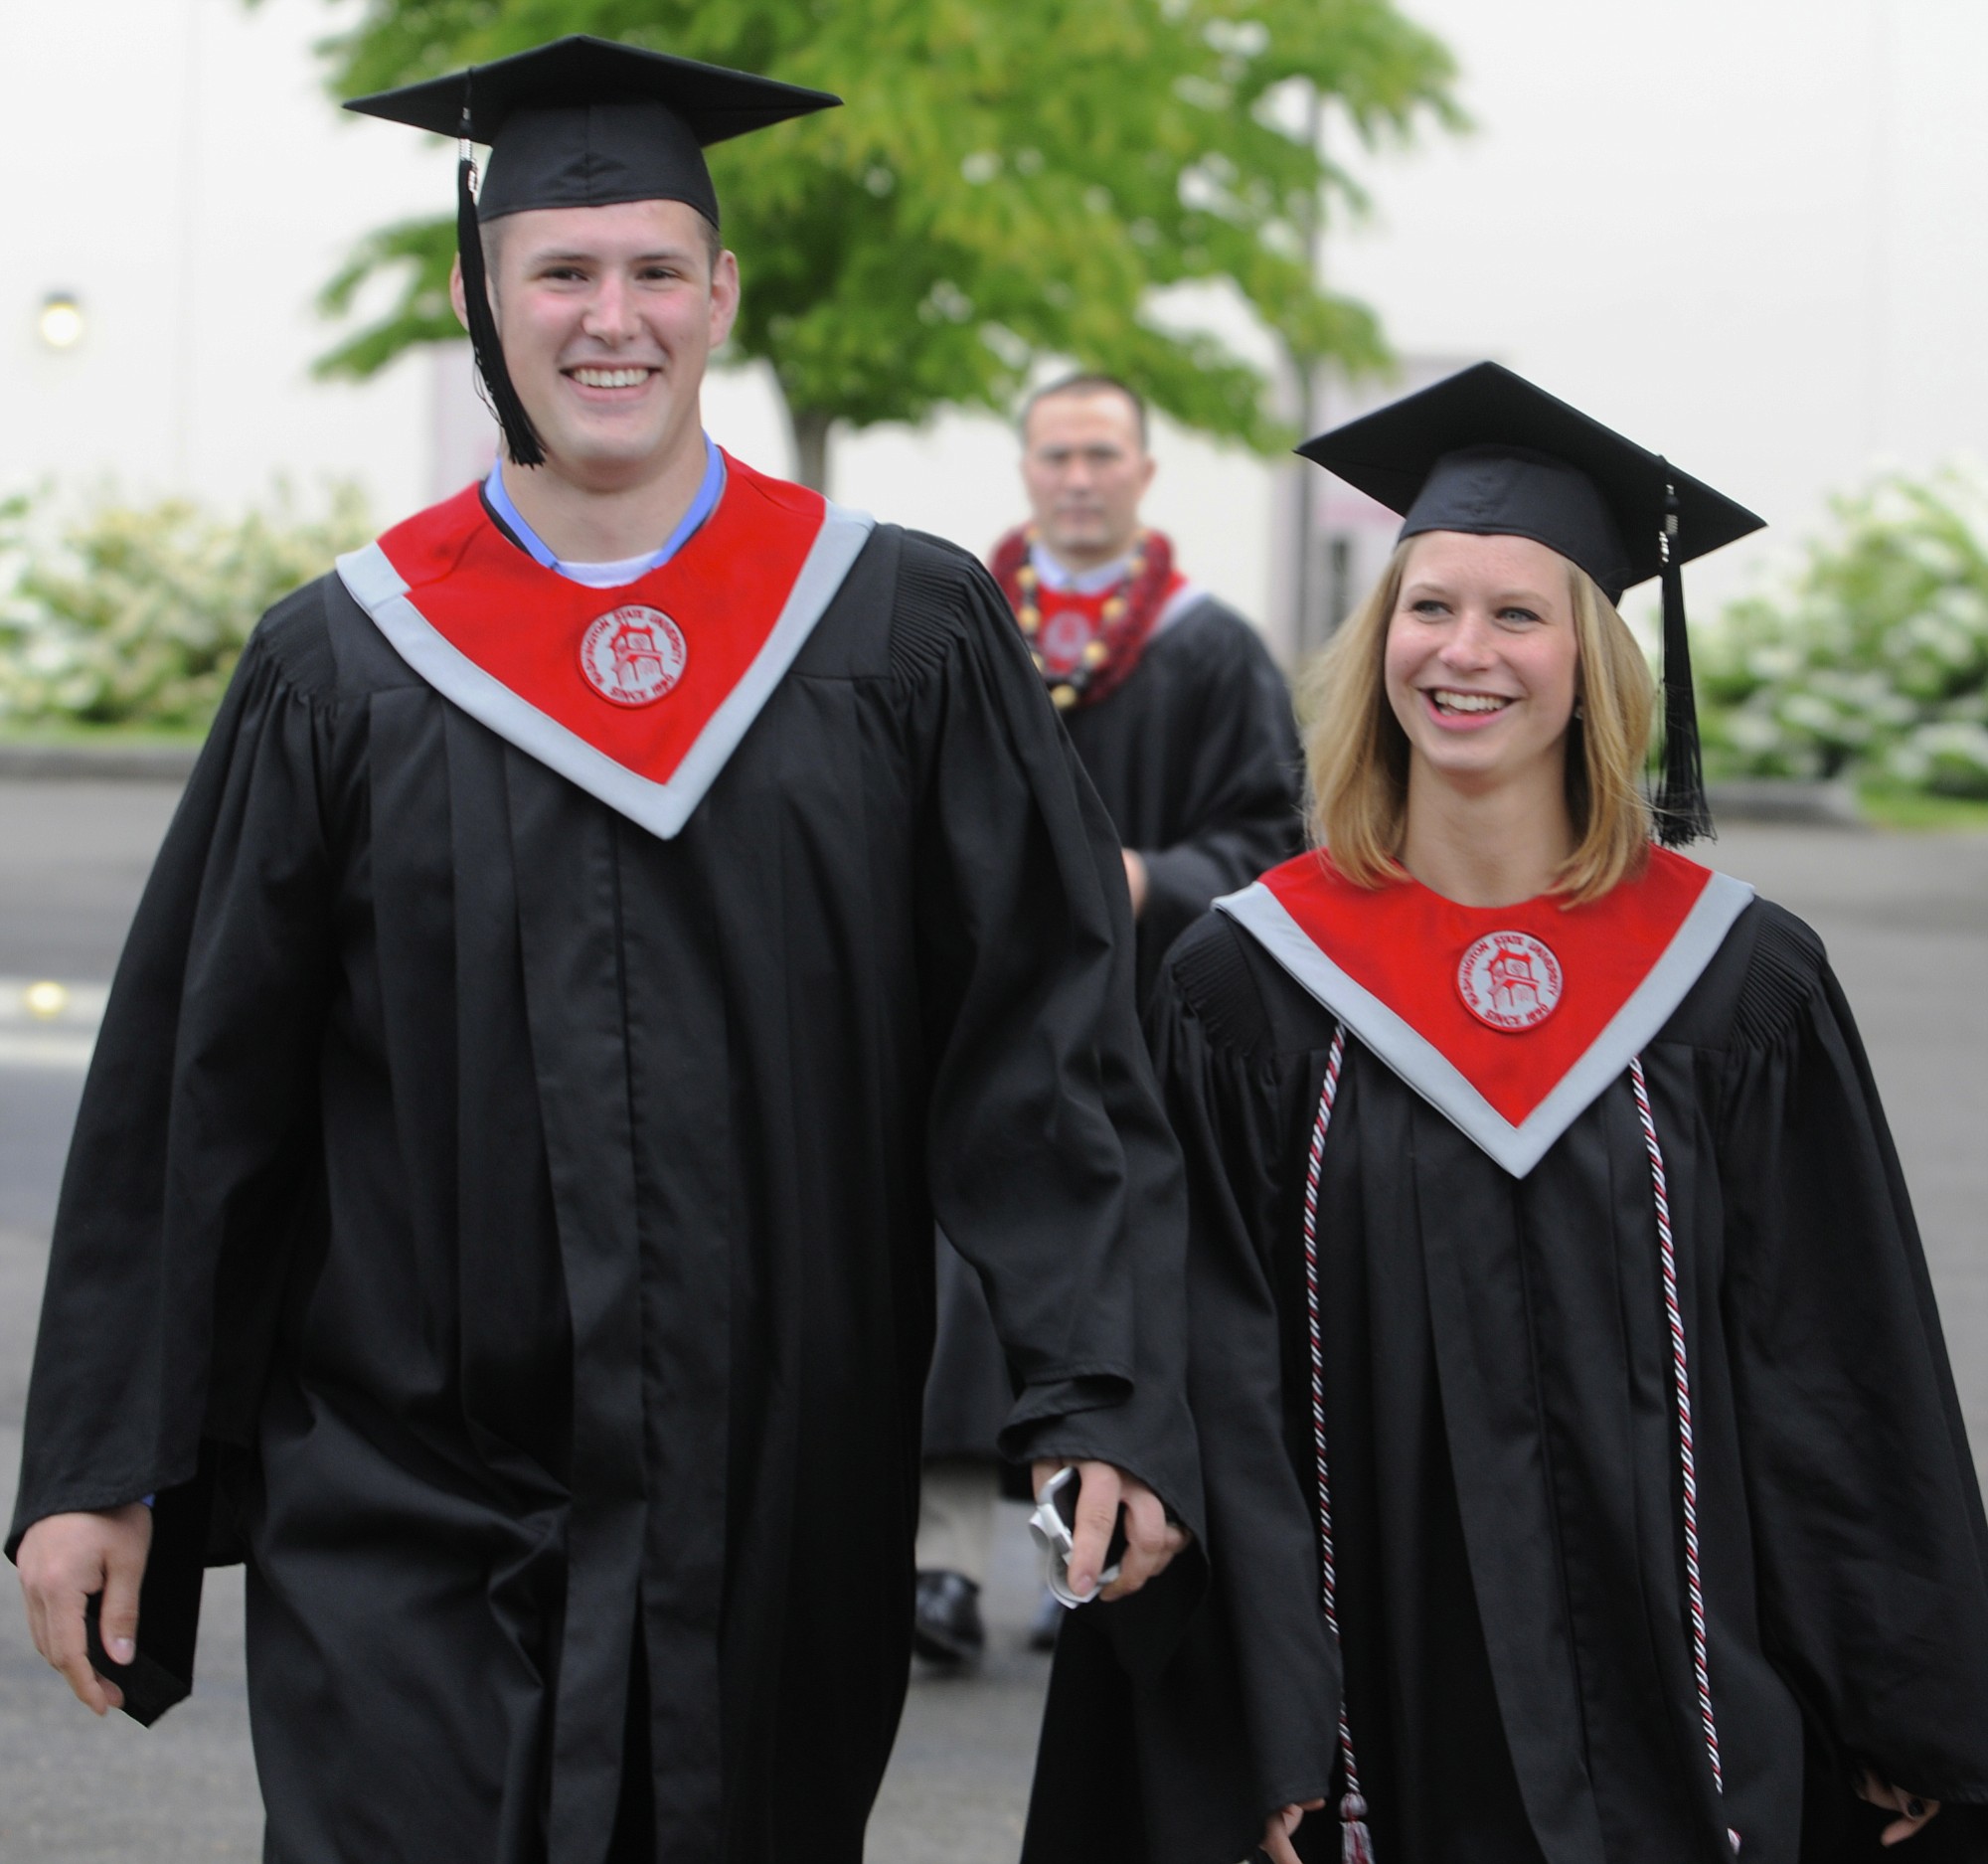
<point>458,301</point>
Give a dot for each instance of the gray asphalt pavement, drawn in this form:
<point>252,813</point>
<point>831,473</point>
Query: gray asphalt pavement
<point>1906,921</point>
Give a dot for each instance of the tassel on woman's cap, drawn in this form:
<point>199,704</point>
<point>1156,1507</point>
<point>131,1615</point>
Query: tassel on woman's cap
<point>1682,810</point>
<point>578,122</point>
<point>1487,452</point>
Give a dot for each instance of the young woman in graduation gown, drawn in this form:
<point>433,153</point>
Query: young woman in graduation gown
<point>1585,1477</point>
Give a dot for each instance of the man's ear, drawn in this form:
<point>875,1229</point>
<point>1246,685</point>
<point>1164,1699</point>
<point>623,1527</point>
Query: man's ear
<point>1146,476</point>
<point>456,297</point>
<point>724,297</point>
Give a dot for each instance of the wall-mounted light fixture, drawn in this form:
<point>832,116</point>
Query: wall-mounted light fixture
<point>60,320</point>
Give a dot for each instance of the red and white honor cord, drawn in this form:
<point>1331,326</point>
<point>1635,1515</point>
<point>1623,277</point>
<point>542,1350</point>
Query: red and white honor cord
<point>1355,1842</point>
<point>1687,1459</point>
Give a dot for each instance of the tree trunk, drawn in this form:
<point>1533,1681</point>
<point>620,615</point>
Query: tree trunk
<point>811,425</point>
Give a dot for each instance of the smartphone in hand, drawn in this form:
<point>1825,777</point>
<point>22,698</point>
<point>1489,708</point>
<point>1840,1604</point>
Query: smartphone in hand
<point>1054,1525</point>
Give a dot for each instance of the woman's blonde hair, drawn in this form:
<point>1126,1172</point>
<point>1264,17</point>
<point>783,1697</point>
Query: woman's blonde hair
<point>1357,755</point>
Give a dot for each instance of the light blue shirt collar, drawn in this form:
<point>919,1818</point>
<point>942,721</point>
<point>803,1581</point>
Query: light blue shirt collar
<point>1053,576</point>
<point>709,493</point>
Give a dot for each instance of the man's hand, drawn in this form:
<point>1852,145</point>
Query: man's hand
<point>1136,880</point>
<point>1277,1829</point>
<point>1151,1540</point>
<point>64,1559</point>
<point>1913,1811</point>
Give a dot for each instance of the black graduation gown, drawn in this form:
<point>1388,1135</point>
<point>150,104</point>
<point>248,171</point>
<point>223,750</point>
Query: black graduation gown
<point>522,1225</point>
<point>1197,761</point>
<point>1503,1468</point>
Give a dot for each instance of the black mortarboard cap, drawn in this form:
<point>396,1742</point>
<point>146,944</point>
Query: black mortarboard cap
<point>578,122</point>
<point>1486,453</point>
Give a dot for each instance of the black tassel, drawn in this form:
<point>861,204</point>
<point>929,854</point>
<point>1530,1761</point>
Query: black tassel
<point>1682,811</point>
<point>521,439</point>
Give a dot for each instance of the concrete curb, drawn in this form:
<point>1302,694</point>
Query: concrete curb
<point>96,763</point>
<point>1785,799</point>
<point>1765,799</point>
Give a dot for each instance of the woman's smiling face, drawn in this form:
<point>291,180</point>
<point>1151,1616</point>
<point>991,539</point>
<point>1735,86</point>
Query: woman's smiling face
<point>1482,659</point>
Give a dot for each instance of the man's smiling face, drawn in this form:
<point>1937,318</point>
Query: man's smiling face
<point>608,316</point>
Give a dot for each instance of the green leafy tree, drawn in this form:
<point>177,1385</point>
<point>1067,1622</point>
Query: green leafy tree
<point>1013,180</point>
<point>1872,660</point>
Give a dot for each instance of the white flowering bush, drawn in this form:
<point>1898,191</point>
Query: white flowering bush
<point>1873,661</point>
<point>136,615</point>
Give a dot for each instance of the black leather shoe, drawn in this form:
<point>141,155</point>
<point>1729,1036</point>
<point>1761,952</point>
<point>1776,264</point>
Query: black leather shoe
<point>1043,1628</point>
<point>945,1626</point>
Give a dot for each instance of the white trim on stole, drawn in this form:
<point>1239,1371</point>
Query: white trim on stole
<point>1426,1068</point>
<point>662,809</point>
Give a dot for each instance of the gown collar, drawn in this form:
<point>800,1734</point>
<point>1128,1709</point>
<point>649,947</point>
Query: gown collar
<point>1509,1021</point>
<point>612,575</point>
<point>638,695</point>
<point>1066,581</point>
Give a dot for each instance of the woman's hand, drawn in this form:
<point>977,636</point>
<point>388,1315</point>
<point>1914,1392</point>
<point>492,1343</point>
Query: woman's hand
<point>1913,1811</point>
<point>1277,1829</point>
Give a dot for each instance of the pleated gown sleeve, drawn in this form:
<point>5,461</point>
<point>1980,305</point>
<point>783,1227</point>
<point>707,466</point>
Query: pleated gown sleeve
<point>1873,1557</point>
<point>1195,758</point>
<point>187,1172</point>
<point>1174,1727</point>
<point>1051,1166</point>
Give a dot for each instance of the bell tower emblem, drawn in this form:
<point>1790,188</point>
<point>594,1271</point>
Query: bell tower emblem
<point>1510,982</point>
<point>633,656</point>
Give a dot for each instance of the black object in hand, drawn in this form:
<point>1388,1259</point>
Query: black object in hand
<point>151,1689</point>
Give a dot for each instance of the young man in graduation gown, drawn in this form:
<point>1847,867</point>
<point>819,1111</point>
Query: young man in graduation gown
<point>1184,725</point>
<point>613,916</point>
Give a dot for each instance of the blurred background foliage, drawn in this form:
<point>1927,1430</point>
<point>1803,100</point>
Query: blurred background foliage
<point>1012,182</point>
<point>134,616</point>
<point>1871,661</point>
<point>1867,662</point>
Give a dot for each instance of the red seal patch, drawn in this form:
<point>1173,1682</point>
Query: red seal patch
<point>1065,636</point>
<point>633,656</point>
<point>1510,982</point>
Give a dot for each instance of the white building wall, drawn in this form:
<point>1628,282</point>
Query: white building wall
<point>1747,232</point>
<point>176,164</point>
